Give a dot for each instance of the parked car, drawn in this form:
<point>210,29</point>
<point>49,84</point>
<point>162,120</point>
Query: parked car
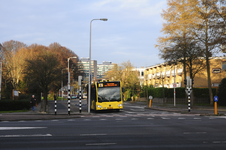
<point>73,96</point>
<point>85,95</point>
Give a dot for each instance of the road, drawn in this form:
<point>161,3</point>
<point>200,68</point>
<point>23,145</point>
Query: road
<point>133,128</point>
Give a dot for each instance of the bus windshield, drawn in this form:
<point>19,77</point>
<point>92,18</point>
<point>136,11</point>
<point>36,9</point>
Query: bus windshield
<point>109,94</point>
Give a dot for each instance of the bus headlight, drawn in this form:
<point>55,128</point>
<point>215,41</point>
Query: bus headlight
<point>99,106</point>
<point>120,105</point>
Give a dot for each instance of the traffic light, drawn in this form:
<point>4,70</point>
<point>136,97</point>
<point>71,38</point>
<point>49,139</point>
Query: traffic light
<point>80,80</point>
<point>65,80</point>
<point>192,81</point>
<point>185,82</point>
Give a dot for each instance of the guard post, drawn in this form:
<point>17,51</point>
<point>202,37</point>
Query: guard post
<point>80,93</point>
<point>215,104</point>
<point>188,91</point>
<point>55,102</point>
<point>150,99</point>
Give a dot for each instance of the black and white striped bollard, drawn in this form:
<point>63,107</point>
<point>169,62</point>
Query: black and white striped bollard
<point>189,99</point>
<point>69,98</point>
<point>80,100</point>
<point>55,106</point>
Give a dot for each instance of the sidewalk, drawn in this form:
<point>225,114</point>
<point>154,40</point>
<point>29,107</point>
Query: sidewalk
<point>37,115</point>
<point>180,108</point>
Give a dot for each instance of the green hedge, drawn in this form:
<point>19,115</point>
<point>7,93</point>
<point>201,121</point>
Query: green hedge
<point>6,105</point>
<point>180,92</point>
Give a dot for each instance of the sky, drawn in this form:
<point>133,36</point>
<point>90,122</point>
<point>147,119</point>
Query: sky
<point>130,34</point>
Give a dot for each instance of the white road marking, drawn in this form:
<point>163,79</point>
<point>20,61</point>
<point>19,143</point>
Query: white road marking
<point>216,142</point>
<point>197,118</point>
<point>181,118</point>
<point>93,134</point>
<point>150,118</point>
<point>34,135</point>
<point>103,119</point>
<point>54,120</point>
<point>165,118</point>
<point>20,128</point>
<point>98,144</point>
<point>38,120</point>
<point>71,120</point>
<point>22,121</point>
<point>212,118</point>
<point>130,112</point>
<point>87,119</point>
<point>5,121</point>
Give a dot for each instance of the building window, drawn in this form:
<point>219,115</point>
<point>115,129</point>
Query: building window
<point>142,73</point>
<point>216,70</point>
<point>223,65</point>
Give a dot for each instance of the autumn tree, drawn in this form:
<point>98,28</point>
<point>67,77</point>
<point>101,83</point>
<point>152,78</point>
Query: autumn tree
<point>210,30</point>
<point>63,53</point>
<point>127,75</point>
<point>199,23</point>
<point>179,19</point>
<point>12,63</point>
<point>45,71</point>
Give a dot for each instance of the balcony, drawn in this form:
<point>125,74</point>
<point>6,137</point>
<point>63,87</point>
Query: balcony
<point>158,75</point>
<point>180,71</point>
<point>163,74</point>
<point>173,73</point>
<point>168,74</point>
<point>149,76</point>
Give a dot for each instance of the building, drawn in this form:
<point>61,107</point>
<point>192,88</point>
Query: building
<point>140,74</point>
<point>164,74</point>
<point>103,68</point>
<point>84,67</point>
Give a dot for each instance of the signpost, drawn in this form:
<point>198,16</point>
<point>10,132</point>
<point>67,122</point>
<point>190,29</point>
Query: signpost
<point>215,104</point>
<point>150,97</point>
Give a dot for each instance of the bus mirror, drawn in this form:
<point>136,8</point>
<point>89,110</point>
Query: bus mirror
<point>122,89</point>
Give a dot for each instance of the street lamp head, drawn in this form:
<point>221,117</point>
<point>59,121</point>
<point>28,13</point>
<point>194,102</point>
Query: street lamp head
<point>104,19</point>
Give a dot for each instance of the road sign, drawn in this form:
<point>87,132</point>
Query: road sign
<point>174,85</point>
<point>215,98</point>
<point>150,97</point>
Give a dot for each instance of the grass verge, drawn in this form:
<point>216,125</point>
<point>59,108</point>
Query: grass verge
<point>13,111</point>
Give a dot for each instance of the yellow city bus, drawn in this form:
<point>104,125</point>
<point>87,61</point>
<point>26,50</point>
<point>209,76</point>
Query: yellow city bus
<point>106,95</point>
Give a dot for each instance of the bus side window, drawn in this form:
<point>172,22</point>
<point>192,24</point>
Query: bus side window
<point>93,93</point>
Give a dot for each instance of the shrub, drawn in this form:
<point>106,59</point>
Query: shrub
<point>222,93</point>
<point>6,105</point>
<point>180,93</point>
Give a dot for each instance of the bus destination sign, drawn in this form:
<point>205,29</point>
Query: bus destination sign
<point>108,85</point>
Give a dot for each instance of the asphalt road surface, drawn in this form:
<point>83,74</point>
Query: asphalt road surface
<point>133,128</point>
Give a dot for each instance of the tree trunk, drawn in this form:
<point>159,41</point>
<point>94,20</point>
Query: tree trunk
<point>44,101</point>
<point>209,81</point>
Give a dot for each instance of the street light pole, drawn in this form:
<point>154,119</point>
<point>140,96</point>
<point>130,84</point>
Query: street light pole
<point>69,87</point>
<point>89,91</point>
<point>174,90</point>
